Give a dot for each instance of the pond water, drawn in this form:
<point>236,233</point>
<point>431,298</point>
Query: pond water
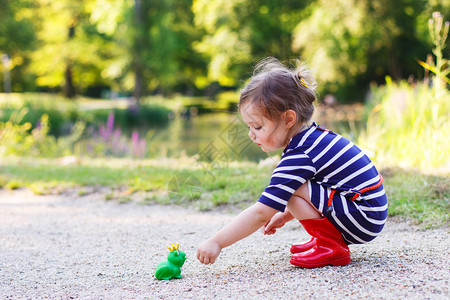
<point>225,136</point>
<point>209,136</point>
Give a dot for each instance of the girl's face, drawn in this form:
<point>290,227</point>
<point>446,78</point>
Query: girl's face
<point>269,135</point>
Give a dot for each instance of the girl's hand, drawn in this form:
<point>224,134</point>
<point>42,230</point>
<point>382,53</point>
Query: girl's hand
<point>208,252</point>
<point>277,221</point>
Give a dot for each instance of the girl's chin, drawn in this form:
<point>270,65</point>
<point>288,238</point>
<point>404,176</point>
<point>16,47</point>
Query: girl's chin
<point>267,150</point>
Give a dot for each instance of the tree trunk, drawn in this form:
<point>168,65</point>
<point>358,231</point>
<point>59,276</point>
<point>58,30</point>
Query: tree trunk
<point>69,88</point>
<point>138,69</point>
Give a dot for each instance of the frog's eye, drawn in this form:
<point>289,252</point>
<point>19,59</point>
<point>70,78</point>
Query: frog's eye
<point>178,252</point>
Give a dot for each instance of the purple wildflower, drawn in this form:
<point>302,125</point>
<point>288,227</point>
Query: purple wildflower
<point>110,122</point>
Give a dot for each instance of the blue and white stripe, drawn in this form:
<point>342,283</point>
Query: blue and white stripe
<point>328,161</point>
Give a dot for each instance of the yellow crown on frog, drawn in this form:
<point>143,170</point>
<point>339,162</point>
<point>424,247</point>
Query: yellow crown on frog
<point>173,247</point>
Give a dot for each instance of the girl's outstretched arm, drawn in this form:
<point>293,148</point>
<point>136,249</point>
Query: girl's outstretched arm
<point>242,226</point>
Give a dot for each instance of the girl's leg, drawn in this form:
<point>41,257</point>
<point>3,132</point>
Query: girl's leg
<point>301,208</point>
<point>327,247</point>
<point>300,205</point>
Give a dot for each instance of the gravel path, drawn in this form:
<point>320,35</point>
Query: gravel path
<point>68,246</point>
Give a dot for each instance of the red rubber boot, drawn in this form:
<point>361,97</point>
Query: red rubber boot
<point>330,248</point>
<point>297,248</point>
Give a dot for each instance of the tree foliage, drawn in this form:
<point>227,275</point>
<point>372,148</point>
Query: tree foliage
<point>237,33</point>
<point>351,43</point>
<point>187,46</point>
<point>70,52</point>
<point>17,38</point>
<point>150,41</point>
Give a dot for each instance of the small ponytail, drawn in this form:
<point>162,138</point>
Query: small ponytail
<point>304,77</point>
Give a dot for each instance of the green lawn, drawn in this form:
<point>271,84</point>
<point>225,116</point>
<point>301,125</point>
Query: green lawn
<point>205,186</point>
<point>419,197</point>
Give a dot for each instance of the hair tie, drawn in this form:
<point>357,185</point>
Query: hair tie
<point>303,82</point>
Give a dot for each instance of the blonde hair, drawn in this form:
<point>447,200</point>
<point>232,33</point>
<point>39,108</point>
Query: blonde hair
<point>274,89</point>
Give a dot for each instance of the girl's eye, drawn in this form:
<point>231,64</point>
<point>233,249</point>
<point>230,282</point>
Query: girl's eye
<point>258,128</point>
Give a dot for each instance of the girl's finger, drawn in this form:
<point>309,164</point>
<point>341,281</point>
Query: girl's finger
<point>268,228</point>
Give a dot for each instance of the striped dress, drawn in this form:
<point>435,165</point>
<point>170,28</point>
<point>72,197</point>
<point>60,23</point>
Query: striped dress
<point>332,165</point>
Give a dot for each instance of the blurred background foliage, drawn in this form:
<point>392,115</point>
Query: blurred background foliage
<point>155,65</point>
<point>132,93</point>
<point>200,47</point>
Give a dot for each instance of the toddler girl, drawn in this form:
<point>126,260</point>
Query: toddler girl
<point>322,179</point>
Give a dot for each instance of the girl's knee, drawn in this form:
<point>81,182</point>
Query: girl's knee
<point>302,208</point>
<point>303,192</point>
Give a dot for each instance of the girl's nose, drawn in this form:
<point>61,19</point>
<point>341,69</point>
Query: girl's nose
<point>251,135</point>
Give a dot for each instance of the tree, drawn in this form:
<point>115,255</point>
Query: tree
<point>152,42</point>
<point>272,24</point>
<point>71,54</point>
<point>351,43</point>
<point>238,33</point>
<point>225,43</point>
<point>17,38</point>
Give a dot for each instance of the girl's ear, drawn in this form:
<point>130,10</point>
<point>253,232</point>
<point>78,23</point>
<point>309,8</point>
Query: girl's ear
<point>290,118</point>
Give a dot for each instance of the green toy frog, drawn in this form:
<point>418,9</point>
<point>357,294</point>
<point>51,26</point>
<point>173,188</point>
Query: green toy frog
<point>171,268</point>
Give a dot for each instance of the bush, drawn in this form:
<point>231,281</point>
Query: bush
<point>408,126</point>
<point>145,116</point>
<point>57,119</point>
<point>18,138</point>
<point>61,121</point>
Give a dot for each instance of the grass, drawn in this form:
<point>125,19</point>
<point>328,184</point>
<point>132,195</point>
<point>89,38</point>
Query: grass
<point>407,120</point>
<point>148,180</point>
<point>419,197</point>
